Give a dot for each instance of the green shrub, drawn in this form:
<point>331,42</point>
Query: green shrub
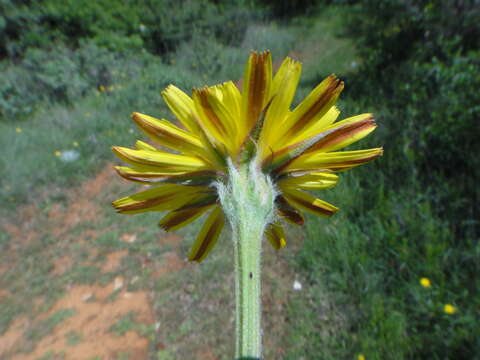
<point>118,25</point>
<point>60,74</point>
<point>420,65</point>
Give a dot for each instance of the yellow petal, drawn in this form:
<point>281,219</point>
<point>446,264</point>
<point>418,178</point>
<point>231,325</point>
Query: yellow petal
<point>161,198</point>
<point>208,235</point>
<point>330,138</point>
<point>283,90</point>
<point>160,160</point>
<point>167,134</point>
<point>180,218</point>
<point>214,117</point>
<point>335,161</point>
<point>276,235</point>
<point>345,132</point>
<point>307,202</point>
<point>231,97</point>
<point>257,81</point>
<point>310,181</point>
<point>313,108</point>
<point>143,176</point>
<point>316,127</point>
<point>182,107</point>
<point>233,101</point>
<point>141,145</point>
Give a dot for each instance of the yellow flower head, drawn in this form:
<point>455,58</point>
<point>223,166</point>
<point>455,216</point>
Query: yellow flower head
<point>425,282</point>
<point>57,153</point>
<point>75,143</point>
<point>18,130</point>
<point>361,357</point>
<point>449,309</point>
<point>296,148</point>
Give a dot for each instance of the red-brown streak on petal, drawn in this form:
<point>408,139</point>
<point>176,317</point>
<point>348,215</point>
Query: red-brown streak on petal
<point>297,173</point>
<point>178,216</point>
<point>218,159</point>
<point>287,155</point>
<point>343,133</point>
<point>289,212</point>
<point>315,209</point>
<point>144,204</point>
<point>333,89</point>
<point>187,176</point>
<point>207,197</point>
<point>131,177</point>
<point>142,161</point>
<point>257,86</point>
<point>354,162</point>
<point>122,155</point>
<point>207,108</point>
<point>208,238</point>
<point>155,131</point>
<point>250,141</point>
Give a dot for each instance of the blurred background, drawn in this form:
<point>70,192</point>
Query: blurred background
<point>394,275</point>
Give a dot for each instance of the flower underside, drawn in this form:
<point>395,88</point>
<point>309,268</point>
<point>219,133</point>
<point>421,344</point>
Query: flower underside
<point>296,148</point>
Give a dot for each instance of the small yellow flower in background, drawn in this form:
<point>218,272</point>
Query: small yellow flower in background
<point>449,309</point>
<point>222,124</point>
<point>101,88</point>
<point>361,357</point>
<point>57,153</point>
<point>425,282</point>
<point>18,130</point>
<point>75,143</point>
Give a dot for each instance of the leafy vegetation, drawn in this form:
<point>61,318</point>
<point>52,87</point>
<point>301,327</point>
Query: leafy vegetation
<point>414,213</point>
<point>72,71</point>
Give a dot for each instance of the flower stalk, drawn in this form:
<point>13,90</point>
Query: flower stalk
<point>243,156</point>
<point>248,202</point>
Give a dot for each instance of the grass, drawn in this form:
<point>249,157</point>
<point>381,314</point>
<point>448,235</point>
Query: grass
<point>89,127</point>
<point>369,259</point>
<point>124,324</point>
<point>360,270</point>
<point>44,327</point>
<point>74,338</point>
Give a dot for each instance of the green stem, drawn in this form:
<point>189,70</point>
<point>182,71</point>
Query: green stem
<point>247,251</point>
<point>248,202</point>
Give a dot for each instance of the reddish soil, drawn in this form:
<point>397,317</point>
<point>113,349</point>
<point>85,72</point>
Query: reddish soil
<point>94,315</point>
<point>95,311</point>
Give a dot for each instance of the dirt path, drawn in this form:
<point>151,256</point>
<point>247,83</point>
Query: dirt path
<point>78,324</point>
<point>67,295</point>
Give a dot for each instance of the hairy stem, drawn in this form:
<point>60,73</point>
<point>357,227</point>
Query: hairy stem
<point>248,202</point>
